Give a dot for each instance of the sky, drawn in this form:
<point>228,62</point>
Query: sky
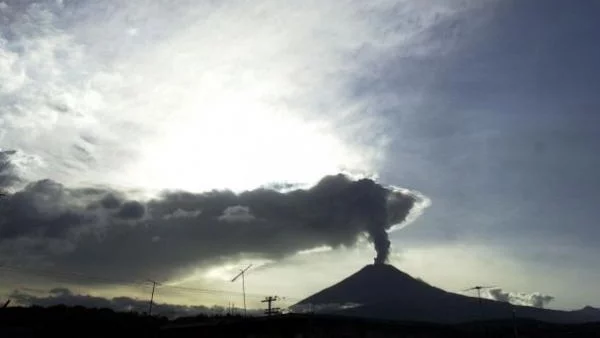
<point>182,142</point>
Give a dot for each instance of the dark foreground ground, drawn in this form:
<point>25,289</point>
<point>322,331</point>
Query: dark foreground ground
<point>62,321</point>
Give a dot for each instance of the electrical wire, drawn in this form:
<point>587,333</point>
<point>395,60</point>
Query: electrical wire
<point>81,277</point>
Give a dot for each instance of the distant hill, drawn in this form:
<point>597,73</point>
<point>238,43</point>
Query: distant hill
<point>74,321</point>
<point>384,292</point>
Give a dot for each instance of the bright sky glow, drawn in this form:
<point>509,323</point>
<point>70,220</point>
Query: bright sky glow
<point>239,144</point>
<point>189,98</point>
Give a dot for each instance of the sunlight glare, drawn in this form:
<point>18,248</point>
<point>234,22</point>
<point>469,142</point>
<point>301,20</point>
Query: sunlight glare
<point>239,143</point>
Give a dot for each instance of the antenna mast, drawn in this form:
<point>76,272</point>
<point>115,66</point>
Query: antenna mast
<point>154,283</point>
<point>479,288</point>
<point>243,273</point>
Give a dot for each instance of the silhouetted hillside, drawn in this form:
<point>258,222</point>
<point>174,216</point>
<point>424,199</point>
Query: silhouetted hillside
<point>63,321</point>
<point>75,321</point>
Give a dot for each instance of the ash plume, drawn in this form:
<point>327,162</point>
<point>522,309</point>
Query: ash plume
<point>367,204</point>
<point>372,204</point>
<point>71,227</point>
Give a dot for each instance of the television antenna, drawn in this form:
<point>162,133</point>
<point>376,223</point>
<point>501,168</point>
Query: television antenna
<point>154,284</point>
<point>243,275</point>
<point>479,288</point>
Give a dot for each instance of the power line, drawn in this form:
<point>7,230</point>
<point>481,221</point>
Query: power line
<point>76,276</point>
<point>70,275</point>
<point>214,291</point>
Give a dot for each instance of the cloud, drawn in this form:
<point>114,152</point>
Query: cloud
<point>64,296</point>
<point>110,201</point>
<point>43,209</point>
<point>237,213</point>
<point>92,84</point>
<point>47,223</point>
<point>180,213</point>
<point>534,299</point>
<point>131,210</point>
<point>8,177</point>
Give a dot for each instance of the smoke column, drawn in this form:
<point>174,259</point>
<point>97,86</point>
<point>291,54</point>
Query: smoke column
<point>374,207</point>
<point>382,245</point>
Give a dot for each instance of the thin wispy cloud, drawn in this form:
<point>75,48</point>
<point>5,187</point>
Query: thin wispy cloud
<point>157,96</point>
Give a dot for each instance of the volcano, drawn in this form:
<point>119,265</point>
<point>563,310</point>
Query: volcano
<point>384,292</point>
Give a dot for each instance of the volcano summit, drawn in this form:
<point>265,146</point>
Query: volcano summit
<point>382,291</point>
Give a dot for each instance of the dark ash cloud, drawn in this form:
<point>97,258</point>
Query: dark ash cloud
<point>110,201</point>
<point>131,210</point>
<point>179,213</point>
<point>534,299</point>
<point>42,209</point>
<point>237,213</point>
<point>64,296</point>
<point>81,230</point>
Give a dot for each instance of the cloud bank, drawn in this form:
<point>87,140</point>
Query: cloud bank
<point>534,299</point>
<point>63,296</point>
<point>101,233</point>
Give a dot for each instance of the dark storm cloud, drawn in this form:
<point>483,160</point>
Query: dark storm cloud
<point>161,237</point>
<point>131,210</point>
<point>63,296</point>
<point>41,209</point>
<point>535,299</point>
<point>110,201</point>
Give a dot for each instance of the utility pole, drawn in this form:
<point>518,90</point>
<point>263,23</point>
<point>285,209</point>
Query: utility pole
<point>480,306</point>
<point>243,273</point>
<point>231,308</point>
<point>270,309</point>
<point>154,283</point>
